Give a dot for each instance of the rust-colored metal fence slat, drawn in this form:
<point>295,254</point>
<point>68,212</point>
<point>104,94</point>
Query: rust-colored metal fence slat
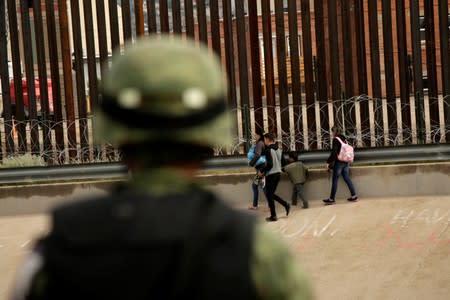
<point>243,65</point>
<point>431,61</point>
<point>229,53</point>
<point>255,62</point>
<point>403,63</point>
<point>347,48</point>
<point>201,20</point>
<point>164,16</point>
<point>444,25</point>
<point>126,19</point>
<point>189,16</point>
<point>176,16</point>
<point>151,16</point>
<point>114,24</point>
<point>308,64</point>
<point>417,69</point>
<point>282,73</point>
<point>215,27</point>
<point>90,53</point>
<point>80,83</point>
<point>334,51</point>
<point>19,114</point>
<point>67,75</point>
<point>57,125</point>
<point>389,64</point>
<point>4,78</point>
<point>139,17</point>
<point>42,73</point>
<point>294,55</point>
<point>101,32</point>
<point>31,117</point>
<point>321,73</point>
<point>268,65</point>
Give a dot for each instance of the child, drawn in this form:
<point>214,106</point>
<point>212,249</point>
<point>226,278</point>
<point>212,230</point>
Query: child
<point>257,160</point>
<point>296,171</point>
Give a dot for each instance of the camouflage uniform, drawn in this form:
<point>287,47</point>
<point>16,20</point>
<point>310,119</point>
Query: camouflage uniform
<point>177,78</point>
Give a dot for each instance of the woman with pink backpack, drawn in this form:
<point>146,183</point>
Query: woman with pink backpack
<point>340,157</point>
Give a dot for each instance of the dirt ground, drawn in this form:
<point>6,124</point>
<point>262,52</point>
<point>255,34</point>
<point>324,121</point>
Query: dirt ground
<point>386,248</point>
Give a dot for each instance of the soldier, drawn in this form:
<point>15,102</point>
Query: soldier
<point>160,235</point>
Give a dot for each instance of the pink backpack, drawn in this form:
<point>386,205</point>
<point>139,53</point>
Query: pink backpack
<point>346,154</point>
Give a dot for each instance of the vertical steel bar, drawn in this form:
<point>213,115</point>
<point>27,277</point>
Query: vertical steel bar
<point>80,84</point>
<point>282,73</point>
<point>295,66</point>
<point>321,81</point>
<point>4,78</point>
<point>444,24</point>
<point>90,53</point>
<point>151,16</point>
<point>126,19</point>
<point>255,62</point>
<point>403,63</point>
<point>431,62</point>
<point>334,50</point>
<point>19,114</point>
<point>176,16</point>
<point>102,37</point>
<point>269,65</point>
<point>50,7</point>
<point>347,45</point>
<point>164,16</point>
<point>242,59</point>
<point>362,68</point>
<point>308,66</point>
<point>215,26</point>
<point>189,16</point>
<point>375,68</point>
<point>201,18</point>
<point>139,17</point>
<point>389,64</point>
<point>67,75</point>
<point>417,67</point>
<point>113,23</point>
<point>347,48</point>
<point>229,53</point>
<point>29,75</point>
<point>42,73</point>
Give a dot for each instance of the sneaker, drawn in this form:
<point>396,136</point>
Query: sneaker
<point>305,205</point>
<point>288,209</point>
<point>353,198</point>
<point>271,219</point>
<point>328,201</point>
<point>253,207</point>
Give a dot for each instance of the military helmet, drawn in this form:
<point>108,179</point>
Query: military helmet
<point>164,88</point>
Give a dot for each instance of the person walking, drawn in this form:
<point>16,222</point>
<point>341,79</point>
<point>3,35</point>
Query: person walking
<point>257,160</point>
<point>160,235</point>
<point>296,171</point>
<point>339,168</point>
<point>272,172</point>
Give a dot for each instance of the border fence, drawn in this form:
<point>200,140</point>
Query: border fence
<point>379,69</point>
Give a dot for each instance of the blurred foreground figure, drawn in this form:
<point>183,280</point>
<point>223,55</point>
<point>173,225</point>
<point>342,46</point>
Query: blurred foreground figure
<point>160,236</point>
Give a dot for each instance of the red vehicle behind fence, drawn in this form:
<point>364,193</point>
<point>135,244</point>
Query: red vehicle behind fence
<point>26,100</point>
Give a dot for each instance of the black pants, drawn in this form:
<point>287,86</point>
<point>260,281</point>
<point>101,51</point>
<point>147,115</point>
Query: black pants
<point>272,181</point>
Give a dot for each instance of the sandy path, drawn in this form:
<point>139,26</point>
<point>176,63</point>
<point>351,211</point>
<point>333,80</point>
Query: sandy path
<point>389,248</point>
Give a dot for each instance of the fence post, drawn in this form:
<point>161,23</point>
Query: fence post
<point>246,127</point>
<point>419,119</point>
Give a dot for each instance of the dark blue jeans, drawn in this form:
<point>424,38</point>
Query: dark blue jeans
<point>341,168</point>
